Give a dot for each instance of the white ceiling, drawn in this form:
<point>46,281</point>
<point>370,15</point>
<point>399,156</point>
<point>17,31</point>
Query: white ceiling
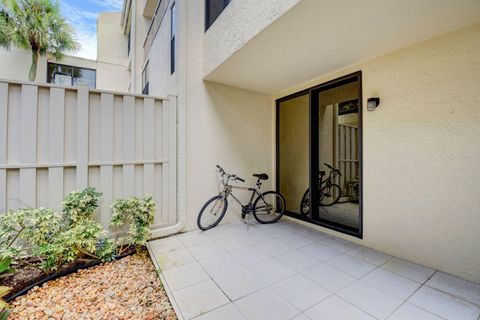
<point>319,36</point>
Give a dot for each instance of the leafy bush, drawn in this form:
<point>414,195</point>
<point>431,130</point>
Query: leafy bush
<point>54,239</point>
<point>44,239</point>
<point>139,214</point>
<point>80,205</point>
<point>4,311</point>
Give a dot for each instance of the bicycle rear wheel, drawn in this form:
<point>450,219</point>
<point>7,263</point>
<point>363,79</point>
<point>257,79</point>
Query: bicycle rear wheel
<point>269,207</point>
<point>212,212</point>
<point>329,195</point>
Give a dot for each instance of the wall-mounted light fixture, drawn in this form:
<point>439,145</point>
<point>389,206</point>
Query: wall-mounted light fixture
<point>372,103</point>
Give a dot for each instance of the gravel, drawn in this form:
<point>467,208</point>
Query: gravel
<point>125,289</point>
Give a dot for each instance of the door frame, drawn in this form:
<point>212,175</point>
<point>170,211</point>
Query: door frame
<point>313,93</point>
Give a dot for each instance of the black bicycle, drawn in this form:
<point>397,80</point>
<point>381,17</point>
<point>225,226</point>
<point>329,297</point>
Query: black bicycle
<point>267,207</point>
<point>329,193</point>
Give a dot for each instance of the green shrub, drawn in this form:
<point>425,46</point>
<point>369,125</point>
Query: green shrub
<point>80,205</point>
<point>139,214</point>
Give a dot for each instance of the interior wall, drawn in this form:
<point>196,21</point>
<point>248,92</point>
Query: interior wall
<point>294,150</point>
<point>421,152</point>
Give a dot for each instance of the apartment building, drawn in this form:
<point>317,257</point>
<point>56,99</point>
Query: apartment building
<point>108,72</point>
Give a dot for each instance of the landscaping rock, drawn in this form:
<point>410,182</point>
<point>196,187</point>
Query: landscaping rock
<point>125,289</point>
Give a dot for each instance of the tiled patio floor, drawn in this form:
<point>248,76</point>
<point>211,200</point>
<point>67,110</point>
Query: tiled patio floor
<point>289,271</point>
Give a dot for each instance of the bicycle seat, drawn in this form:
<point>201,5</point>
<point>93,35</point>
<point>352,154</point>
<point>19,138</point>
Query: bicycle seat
<point>261,176</point>
<point>321,173</point>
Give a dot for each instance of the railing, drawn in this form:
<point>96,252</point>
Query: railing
<point>57,139</point>
<point>154,26</point>
<point>347,156</point>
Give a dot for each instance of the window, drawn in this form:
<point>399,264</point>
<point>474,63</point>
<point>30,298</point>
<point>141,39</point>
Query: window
<point>173,23</point>
<point>319,154</point>
<point>70,75</point>
<point>145,82</point>
<point>129,41</point>
<point>213,8</point>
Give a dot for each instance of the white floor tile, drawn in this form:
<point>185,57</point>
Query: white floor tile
<point>301,316</point>
<point>396,285</point>
<point>266,304</point>
<point>271,271</point>
<point>194,238</point>
<point>295,241</point>
<point>408,311</point>
<point>328,277</point>
<point>249,255</point>
<point>297,260</point>
<point>273,247</point>
<point>340,244</point>
<point>334,308</point>
<point>239,283</point>
<point>444,305</point>
<point>184,276</point>
<point>173,259</point>
<point>219,265</point>
<point>166,245</point>
<point>300,291</point>
<point>408,269</point>
<point>320,251</point>
<point>351,265</point>
<point>205,251</point>
<point>199,298</point>
<point>228,311</point>
<point>369,255</point>
<point>232,243</point>
<point>373,301</point>
<point>458,287</point>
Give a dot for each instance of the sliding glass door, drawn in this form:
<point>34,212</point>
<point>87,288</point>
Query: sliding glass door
<point>319,154</point>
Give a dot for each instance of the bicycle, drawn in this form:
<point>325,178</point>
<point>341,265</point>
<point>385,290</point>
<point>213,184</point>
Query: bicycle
<point>268,207</point>
<point>329,193</point>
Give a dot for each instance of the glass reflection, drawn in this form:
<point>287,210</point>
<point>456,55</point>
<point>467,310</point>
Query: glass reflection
<point>294,150</point>
<point>338,117</point>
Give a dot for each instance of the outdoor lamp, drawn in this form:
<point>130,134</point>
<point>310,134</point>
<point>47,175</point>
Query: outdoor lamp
<point>372,103</point>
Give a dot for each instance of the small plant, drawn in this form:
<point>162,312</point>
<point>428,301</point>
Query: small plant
<point>139,214</point>
<point>4,307</point>
<point>5,266</point>
<point>80,205</point>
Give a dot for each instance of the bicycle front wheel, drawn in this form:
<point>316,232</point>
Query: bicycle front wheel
<point>212,212</point>
<point>305,204</point>
<point>269,207</point>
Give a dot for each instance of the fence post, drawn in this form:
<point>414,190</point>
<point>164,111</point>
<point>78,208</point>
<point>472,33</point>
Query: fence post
<point>3,144</point>
<point>82,136</point>
<point>172,158</point>
<point>28,147</point>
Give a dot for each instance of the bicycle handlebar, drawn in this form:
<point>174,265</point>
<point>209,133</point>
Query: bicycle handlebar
<point>229,176</point>
<point>332,168</point>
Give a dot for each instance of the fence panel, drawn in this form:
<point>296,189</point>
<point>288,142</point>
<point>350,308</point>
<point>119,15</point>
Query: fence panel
<point>57,139</point>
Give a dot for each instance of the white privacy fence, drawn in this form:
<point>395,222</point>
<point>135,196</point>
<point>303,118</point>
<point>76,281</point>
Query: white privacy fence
<point>54,140</point>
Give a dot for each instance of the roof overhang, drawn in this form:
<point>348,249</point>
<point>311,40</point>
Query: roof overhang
<point>316,37</point>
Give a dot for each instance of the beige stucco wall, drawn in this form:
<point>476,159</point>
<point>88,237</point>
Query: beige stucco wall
<point>222,125</point>
<point>112,57</point>
<point>422,152</point>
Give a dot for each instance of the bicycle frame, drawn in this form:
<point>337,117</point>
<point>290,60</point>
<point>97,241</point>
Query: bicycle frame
<point>228,190</point>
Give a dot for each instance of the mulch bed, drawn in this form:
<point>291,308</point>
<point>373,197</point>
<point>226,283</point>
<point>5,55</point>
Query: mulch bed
<point>128,288</point>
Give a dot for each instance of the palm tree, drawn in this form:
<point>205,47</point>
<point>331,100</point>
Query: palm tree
<point>5,30</point>
<point>38,25</point>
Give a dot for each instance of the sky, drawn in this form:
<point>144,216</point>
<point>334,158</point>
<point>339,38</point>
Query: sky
<point>82,15</point>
